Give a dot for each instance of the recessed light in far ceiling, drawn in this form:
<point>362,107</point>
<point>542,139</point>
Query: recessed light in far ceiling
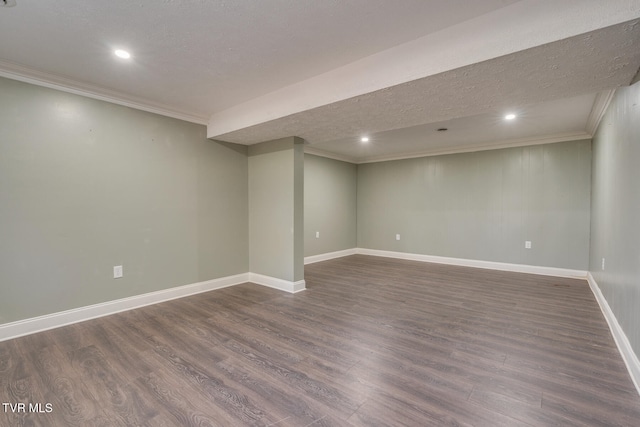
<point>8,3</point>
<point>364,139</point>
<point>122,54</point>
<point>510,116</point>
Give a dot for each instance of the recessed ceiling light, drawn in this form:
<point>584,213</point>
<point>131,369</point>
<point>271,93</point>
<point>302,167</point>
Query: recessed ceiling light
<point>364,139</point>
<point>510,116</point>
<point>122,54</point>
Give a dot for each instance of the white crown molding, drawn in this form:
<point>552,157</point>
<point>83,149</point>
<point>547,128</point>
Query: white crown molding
<point>53,81</point>
<point>490,265</point>
<point>280,284</point>
<point>316,152</point>
<point>600,104</point>
<point>63,318</point>
<point>521,142</point>
<point>635,78</point>
<point>329,255</point>
<point>628,355</point>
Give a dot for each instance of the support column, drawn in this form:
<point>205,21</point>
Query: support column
<point>276,228</point>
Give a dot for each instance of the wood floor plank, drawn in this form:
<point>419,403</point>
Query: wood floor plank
<point>280,400</point>
<point>110,388</point>
<point>297,336</point>
<point>23,389</point>
<point>185,410</point>
<point>583,410</point>
<point>113,343</point>
<point>72,400</point>
<point>200,375</point>
<point>325,393</point>
<point>371,342</point>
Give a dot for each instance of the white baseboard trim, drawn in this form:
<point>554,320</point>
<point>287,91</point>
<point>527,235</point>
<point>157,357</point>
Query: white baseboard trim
<point>502,266</point>
<point>329,255</point>
<point>50,321</point>
<point>55,320</point>
<point>274,282</point>
<point>628,355</point>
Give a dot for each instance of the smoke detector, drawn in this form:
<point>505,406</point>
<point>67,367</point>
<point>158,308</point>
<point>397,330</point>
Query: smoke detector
<point>7,3</point>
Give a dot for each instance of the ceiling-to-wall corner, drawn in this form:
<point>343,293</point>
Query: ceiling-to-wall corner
<point>322,153</point>
<point>597,111</point>
<point>522,142</point>
<point>436,63</point>
<point>636,78</point>
<point>64,84</point>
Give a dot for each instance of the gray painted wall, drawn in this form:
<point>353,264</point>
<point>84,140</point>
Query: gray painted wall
<point>276,209</point>
<point>482,205</point>
<point>330,191</point>
<point>298,209</point>
<point>86,185</point>
<point>615,227</point>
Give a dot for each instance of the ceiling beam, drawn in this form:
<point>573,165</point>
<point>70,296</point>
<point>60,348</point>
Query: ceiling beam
<point>520,26</point>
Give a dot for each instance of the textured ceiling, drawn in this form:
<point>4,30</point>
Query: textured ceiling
<point>330,71</point>
<point>564,119</point>
<point>579,65</point>
<point>199,56</point>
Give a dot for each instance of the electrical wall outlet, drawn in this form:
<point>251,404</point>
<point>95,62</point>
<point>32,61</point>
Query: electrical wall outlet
<point>317,234</point>
<point>527,244</point>
<point>117,272</point>
<point>397,237</point>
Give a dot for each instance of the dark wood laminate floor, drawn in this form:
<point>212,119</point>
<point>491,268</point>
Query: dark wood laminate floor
<point>372,342</point>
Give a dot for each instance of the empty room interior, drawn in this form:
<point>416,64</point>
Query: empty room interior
<point>320,213</point>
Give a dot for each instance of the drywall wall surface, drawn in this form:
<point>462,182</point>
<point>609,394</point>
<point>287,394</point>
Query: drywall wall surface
<point>274,212</point>
<point>86,185</point>
<point>330,192</point>
<point>615,225</point>
<point>298,210</point>
<point>483,205</point>
<point>223,209</point>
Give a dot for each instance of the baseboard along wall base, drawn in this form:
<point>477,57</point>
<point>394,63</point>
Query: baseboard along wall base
<point>501,266</point>
<point>55,320</point>
<point>50,321</point>
<point>624,346</point>
<point>280,284</point>
<point>81,314</point>
<point>330,255</point>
